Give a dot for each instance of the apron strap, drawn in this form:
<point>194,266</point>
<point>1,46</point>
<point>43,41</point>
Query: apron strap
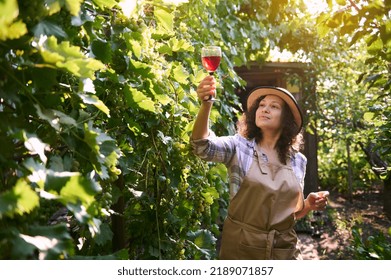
<point>270,243</point>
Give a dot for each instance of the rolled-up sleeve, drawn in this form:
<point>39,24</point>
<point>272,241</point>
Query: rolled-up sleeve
<point>235,152</point>
<point>299,165</point>
<point>216,149</point>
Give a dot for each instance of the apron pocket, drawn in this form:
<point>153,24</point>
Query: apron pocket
<point>254,253</point>
<point>253,246</point>
<point>251,253</point>
<point>283,254</point>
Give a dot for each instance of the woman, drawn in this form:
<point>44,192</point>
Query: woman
<point>266,173</point>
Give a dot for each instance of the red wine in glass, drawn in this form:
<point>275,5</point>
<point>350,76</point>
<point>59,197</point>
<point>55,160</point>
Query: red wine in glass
<point>211,63</point>
<point>211,57</point>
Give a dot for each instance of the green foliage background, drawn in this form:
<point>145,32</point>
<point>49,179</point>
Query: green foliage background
<point>353,91</point>
<point>97,102</point>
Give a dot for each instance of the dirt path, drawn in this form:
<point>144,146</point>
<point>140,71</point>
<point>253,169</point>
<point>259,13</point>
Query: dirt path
<point>334,238</point>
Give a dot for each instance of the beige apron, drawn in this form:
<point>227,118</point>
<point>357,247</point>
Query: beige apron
<point>261,215</point>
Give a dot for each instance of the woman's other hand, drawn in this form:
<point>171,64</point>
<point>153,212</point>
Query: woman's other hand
<point>317,200</point>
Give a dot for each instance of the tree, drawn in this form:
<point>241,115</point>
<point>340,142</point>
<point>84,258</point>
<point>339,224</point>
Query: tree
<point>368,24</point>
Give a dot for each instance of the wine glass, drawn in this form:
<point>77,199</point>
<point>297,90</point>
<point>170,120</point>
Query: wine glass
<point>211,56</point>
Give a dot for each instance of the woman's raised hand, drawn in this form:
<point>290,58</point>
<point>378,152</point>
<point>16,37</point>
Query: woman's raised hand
<point>207,88</point>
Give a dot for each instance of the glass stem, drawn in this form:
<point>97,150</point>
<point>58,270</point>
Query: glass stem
<point>211,99</point>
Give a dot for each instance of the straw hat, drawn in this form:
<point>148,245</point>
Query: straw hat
<point>282,93</point>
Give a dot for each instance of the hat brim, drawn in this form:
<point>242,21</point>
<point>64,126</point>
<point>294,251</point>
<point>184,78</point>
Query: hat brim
<point>284,95</point>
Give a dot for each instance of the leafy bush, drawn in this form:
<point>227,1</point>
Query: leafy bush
<point>375,247</point>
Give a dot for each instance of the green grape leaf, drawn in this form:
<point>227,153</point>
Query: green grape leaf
<point>164,18</point>
<point>135,97</point>
<point>105,150</point>
<point>36,146</point>
<point>94,100</point>
<point>136,48</point>
<point>53,6</point>
<point>90,136</point>
<point>180,74</point>
<point>369,116</point>
<point>68,57</point>
<point>180,45</point>
<point>101,50</point>
<point>385,34</point>
<point>55,118</point>
<point>210,194</point>
<point>105,235</point>
<point>13,31</point>
<point>73,6</point>
<point>203,240</point>
<point>105,3</point>
<point>52,241</point>
<point>56,163</point>
<point>20,248</point>
<point>165,49</point>
<point>48,28</point>
<point>375,46</point>
<point>79,189</point>
<point>8,28</point>
<point>19,200</point>
<point>163,99</point>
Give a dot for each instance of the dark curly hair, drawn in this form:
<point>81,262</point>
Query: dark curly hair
<point>248,129</point>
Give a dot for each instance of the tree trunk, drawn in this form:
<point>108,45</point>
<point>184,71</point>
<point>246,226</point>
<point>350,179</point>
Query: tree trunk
<point>387,197</point>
